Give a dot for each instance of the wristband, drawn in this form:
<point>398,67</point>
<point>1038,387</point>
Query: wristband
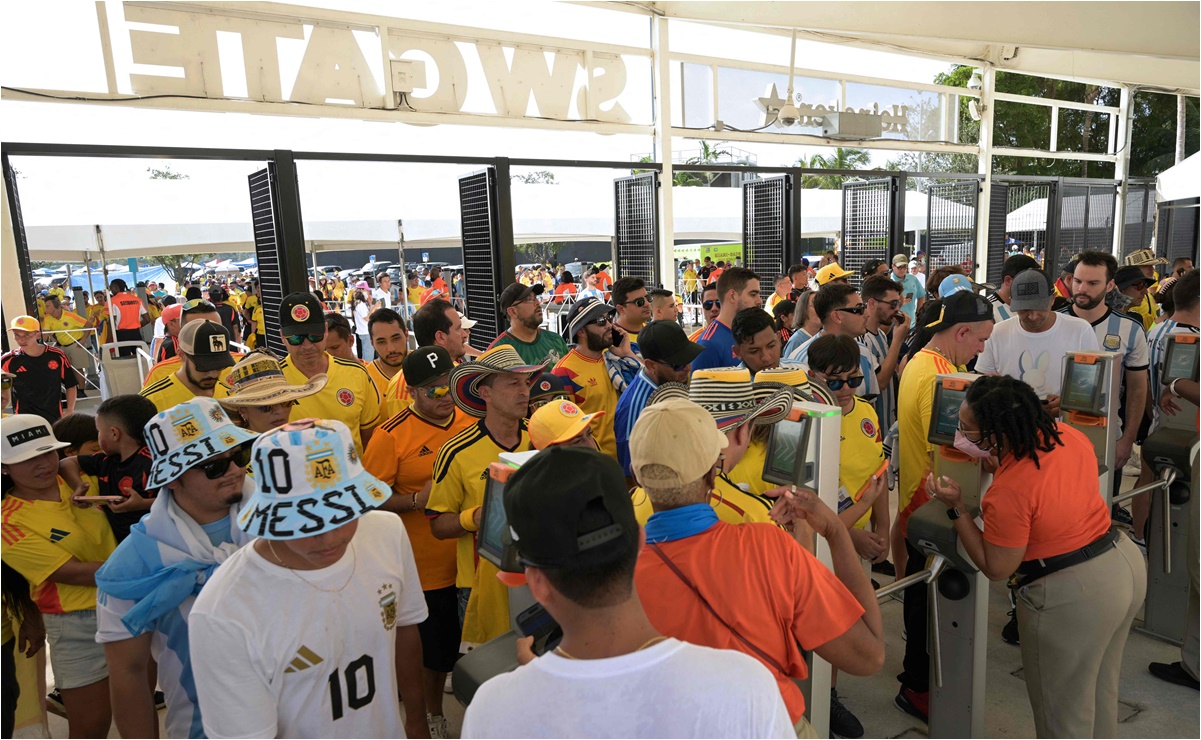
<point>1172,387</point>
<point>467,519</point>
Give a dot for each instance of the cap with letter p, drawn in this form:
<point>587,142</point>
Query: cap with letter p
<point>424,365</point>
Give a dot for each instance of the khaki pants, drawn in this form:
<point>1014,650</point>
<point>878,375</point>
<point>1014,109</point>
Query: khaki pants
<point>1074,625</point>
<point>80,359</point>
<point>804,729</point>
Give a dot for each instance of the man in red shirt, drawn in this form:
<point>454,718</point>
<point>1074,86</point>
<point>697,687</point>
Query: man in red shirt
<point>732,586</point>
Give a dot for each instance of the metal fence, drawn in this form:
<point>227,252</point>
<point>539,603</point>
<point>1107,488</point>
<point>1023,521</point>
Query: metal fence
<point>636,226</point>
<point>951,225</point>
<point>868,212</point>
<point>483,274</point>
<point>766,220</point>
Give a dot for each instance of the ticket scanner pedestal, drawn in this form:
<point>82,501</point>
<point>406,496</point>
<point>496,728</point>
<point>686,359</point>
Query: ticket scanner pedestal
<point>958,616</point>
<point>1089,402</point>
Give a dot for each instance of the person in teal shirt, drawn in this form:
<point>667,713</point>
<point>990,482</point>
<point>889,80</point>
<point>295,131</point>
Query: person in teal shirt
<point>913,293</point>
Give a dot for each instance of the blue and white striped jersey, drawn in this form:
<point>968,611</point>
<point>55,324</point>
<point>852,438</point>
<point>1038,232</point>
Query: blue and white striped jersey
<point>870,388</point>
<point>877,343</point>
<point>1157,339</point>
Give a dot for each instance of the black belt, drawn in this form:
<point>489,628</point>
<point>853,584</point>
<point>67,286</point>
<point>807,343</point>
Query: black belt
<point>1031,570</point>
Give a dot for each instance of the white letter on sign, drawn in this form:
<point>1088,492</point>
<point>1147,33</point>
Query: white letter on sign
<point>448,97</point>
<point>511,86</point>
<point>334,67</point>
<point>194,49</point>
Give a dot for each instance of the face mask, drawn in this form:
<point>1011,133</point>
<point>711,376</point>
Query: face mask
<point>968,447</point>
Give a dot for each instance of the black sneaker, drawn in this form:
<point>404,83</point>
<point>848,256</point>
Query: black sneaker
<point>1120,515</point>
<point>842,722</point>
<point>913,703</point>
<point>1172,672</point>
<point>885,568</point>
<point>1009,633</point>
<point>54,703</point>
<point>160,700</point>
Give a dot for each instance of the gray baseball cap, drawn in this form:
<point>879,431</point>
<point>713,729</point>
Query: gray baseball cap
<point>1030,291</point>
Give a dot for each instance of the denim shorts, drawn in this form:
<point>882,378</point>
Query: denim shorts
<point>76,657</point>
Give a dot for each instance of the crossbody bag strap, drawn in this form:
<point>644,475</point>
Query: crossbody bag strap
<point>753,647</point>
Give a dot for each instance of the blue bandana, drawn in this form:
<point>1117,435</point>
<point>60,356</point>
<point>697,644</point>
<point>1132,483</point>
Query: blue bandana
<point>676,524</point>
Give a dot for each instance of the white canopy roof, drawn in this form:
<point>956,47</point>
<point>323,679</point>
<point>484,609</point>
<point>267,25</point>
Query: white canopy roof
<point>1181,181</point>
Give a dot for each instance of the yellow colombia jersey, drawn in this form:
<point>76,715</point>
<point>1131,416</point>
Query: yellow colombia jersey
<point>171,391</point>
<point>168,367</point>
<point>348,396</point>
<point>861,455</point>
<point>396,397</point>
<point>41,536</point>
<point>749,470</point>
<point>732,504</point>
<point>592,391</point>
<point>460,476</point>
<point>381,382</point>
<point>68,320</point>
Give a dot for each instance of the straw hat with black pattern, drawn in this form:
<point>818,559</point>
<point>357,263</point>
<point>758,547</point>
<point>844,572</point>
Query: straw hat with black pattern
<point>794,377</point>
<point>1141,257</point>
<point>465,379</point>
<point>258,380</point>
<point>731,397</point>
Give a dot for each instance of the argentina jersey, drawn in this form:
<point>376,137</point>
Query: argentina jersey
<point>1122,333</point>
<point>1000,311</point>
<point>870,387</point>
<point>877,344</point>
<point>1157,340</point>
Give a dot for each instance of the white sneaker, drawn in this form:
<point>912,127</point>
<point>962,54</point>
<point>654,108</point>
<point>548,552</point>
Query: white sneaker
<point>1134,466</point>
<point>448,688</point>
<point>438,726</point>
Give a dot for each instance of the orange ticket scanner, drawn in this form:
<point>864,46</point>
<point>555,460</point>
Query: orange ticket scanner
<point>1089,403</point>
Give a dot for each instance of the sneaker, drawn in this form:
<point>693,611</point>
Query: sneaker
<point>885,568</point>
<point>1009,633</point>
<point>842,722</point>
<point>438,726</point>
<point>875,584</point>
<point>1171,672</point>
<point>160,700</point>
<point>448,688</point>
<point>1134,466</point>
<point>1120,515</point>
<point>54,703</point>
<point>914,703</point>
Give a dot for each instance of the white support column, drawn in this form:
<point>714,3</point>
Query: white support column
<point>667,233</point>
<point>10,273</point>
<point>1121,168</point>
<point>987,106</point>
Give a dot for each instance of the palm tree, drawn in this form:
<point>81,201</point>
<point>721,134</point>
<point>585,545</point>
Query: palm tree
<point>841,159</point>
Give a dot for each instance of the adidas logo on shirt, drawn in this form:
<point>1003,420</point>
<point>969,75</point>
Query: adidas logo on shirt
<point>425,451</point>
<point>56,535</point>
<point>305,659</point>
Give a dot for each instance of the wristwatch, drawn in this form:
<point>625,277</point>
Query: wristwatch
<point>952,513</point>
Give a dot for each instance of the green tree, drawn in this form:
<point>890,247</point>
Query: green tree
<point>166,173</point>
<point>174,264</point>
<point>708,154</point>
<point>538,177</point>
<point>539,252</point>
<point>839,159</point>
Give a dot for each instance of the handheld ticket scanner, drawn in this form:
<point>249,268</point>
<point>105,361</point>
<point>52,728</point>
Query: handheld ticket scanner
<point>1171,452</point>
<point>803,450</point>
<point>958,607</point>
<point>494,543</point>
<point>1089,403</point>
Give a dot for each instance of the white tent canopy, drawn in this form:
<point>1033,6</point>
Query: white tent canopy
<point>1181,181</point>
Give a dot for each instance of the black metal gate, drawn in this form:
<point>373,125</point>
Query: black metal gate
<point>636,226</point>
<point>767,226</point>
<point>1179,229</point>
<point>22,242</point>
<point>487,265</point>
<point>278,240</point>
<point>951,225</point>
<point>869,231</point>
<point>1031,219</point>
<point>1086,218</point>
<point>998,250</point>
<point>1140,217</point>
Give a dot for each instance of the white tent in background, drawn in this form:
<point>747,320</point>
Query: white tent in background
<point>1181,181</point>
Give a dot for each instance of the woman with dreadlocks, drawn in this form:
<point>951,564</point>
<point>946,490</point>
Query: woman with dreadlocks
<point>1081,583</point>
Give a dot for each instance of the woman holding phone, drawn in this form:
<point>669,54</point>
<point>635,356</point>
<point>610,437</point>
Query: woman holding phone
<point>1081,582</point>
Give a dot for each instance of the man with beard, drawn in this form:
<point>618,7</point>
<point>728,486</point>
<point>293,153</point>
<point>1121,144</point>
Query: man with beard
<point>711,307</point>
<point>520,303</point>
<point>390,339</point>
<point>590,324</point>
<point>203,348</point>
<point>141,609</point>
<point>887,328</point>
<point>1092,280</point>
<point>632,302</point>
<point>737,288</point>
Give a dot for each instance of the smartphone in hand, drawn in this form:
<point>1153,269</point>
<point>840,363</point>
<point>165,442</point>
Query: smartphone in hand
<point>98,499</point>
<point>619,336</point>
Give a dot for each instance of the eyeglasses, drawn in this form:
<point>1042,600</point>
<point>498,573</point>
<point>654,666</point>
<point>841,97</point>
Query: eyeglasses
<point>298,339</point>
<point>835,384</point>
<point>198,303</point>
<point>676,368</point>
<point>639,302</point>
<point>891,304</point>
<point>857,310</point>
<point>215,468</point>
<point>531,298</point>
<point>602,321</point>
<point>710,305</point>
<point>1180,271</point>
<point>435,391</point>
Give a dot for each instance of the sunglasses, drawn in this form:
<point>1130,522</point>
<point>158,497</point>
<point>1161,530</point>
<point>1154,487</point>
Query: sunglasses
<point>639,302</point>
<point>836,385</point>
<point>676,368</point>
<point>891,304</point>
<point>435,391</point>
<point>602,321</point>
<point>710,305</point>
<point>215,468</point>
<point>298,339</point>
<point>198,303</point>
<point>857,310</point>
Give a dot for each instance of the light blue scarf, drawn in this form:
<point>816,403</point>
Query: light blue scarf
<point>676,524</point>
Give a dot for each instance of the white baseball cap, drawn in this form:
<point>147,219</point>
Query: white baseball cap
<point>25,437</point>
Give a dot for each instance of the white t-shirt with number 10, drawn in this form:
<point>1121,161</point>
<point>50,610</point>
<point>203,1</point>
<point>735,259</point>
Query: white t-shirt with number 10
<point>275,657</point>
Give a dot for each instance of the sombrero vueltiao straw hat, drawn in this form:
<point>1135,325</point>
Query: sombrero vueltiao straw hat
<point>465,379</point>
<point>733,399</point>
<point>793,376</point>
<point>258,380</point>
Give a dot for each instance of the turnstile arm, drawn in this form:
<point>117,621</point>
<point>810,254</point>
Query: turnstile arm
<point>929,574</point>
<point>1163,486</point>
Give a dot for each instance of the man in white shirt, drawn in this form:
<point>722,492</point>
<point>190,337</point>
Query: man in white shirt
<point>613,674</point>
<point>1031,346</point>
<point>311,631</point>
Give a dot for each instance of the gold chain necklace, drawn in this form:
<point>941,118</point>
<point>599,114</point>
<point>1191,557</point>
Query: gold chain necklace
<point>940,353</point>
<point>644,646</point>
<point>354,554</point>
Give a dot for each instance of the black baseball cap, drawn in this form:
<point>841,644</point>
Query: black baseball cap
<point>517,292</point>
<point>964,307</point>
<point>558,517</point>
<point>301,313</point>
<point>207,343</point>
<point>548,384</point>
<point>664,341</point>
<point>426,364</point>
<point>1129,275</point>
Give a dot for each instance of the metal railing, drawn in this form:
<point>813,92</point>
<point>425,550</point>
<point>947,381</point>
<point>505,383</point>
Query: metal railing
<point>1163,485</point>
<point>935,564</point>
